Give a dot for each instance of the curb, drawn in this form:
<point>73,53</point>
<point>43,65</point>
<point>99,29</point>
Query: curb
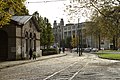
<point>105,58</point>
<point>29,61</point>
<point>108,58</point>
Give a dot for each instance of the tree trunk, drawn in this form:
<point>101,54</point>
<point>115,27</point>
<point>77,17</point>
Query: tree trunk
<point>44,46</point>
<point>116,40</point>
<point>99,47</point>
<point>113,42</point>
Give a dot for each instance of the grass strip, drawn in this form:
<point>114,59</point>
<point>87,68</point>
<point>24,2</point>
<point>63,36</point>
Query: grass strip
<point>109,51</point>
<point>111,56</point>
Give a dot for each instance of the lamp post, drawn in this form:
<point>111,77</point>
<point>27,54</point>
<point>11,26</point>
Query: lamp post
<point>80,39</point>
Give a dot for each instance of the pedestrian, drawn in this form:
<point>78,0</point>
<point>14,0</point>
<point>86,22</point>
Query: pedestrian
<point>59,50</point>
<point>30,53</point>
<point>63,49</point>
<point>34,55</point>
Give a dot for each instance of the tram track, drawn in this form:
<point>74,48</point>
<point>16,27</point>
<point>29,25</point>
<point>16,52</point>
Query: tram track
<point>70,71</point>
<point>59,71</point>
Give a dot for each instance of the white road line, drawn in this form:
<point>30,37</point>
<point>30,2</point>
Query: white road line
<point>78,71</point>
<point>59,71</point>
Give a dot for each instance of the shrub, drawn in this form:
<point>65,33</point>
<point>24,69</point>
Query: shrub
<point>49,51</point>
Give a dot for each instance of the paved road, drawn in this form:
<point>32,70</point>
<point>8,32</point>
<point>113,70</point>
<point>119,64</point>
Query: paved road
<point>70,67</point>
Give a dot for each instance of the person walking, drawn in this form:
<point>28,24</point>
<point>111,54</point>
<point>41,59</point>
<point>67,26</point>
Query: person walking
<point>63,49</point>
<point>59,50</point>
<point>34,55</point>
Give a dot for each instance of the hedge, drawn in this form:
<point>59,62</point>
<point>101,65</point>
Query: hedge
<point>49,52</point>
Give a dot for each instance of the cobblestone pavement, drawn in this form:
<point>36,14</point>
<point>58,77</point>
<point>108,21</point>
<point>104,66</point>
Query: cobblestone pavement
<point>70,67</point>
<point>7,64</point>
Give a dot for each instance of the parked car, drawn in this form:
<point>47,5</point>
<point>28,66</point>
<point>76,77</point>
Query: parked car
<point>76,49</point>
<point>102,48</point>
<point>87,49</point>
<point>94,50</point>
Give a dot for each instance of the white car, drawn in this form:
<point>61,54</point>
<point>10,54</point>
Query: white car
<point>87,49</point>
<point>94,50</point>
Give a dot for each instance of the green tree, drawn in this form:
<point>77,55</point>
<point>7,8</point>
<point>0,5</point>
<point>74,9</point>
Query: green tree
<point>46,36</point>
<point>86,7</point>
<point>108,23</point>
<point>9,8</point>
<point>93,30</point>
<point>49,34</point>
<point>107,18</point>
<point>74,41</point>
<point>111,23</point>
<point>68,42</point>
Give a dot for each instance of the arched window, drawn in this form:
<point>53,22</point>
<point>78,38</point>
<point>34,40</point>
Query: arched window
<point>34,41</point>
<point>31,40</point>
<point>26,38</point>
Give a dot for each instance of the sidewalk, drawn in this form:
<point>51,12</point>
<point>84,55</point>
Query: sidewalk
<point>7,64</point>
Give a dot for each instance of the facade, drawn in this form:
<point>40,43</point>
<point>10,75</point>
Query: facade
<point>62,31</point>
<point>18,37</point>
<point>58,31</point>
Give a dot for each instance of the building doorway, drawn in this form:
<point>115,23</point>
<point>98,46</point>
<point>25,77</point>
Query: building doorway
<point>3,45</point>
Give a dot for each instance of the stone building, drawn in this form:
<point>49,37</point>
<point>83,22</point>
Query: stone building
<point>18,37</point>
<point>58,30</point>
<point>62,31</point>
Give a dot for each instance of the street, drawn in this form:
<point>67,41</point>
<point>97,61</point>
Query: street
<point>70,67</point>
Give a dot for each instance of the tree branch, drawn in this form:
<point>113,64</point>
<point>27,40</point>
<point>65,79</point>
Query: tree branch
<point>97,9</point>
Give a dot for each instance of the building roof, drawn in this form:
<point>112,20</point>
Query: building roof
<point>21,19</point>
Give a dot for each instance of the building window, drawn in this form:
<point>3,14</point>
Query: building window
<point>31,40</point>
<point>73,27</point>
<point>34,42</point>
<point>65,28</point>
<point>26,38</point>
<point>69,28</point>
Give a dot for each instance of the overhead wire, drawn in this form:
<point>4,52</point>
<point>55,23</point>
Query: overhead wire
<point>46,1</point>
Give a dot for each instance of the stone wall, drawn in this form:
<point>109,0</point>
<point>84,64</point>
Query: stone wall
<point>11,31</point>
<point>26,41</point>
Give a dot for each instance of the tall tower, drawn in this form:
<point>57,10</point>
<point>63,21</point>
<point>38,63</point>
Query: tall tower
<point>55,31</point>
<point>54,24</point>
<point>58,30</point>
<point>62,22</point>
<point>62,32</point>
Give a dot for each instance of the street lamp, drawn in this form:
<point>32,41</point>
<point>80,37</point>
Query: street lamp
<point>80,39</point>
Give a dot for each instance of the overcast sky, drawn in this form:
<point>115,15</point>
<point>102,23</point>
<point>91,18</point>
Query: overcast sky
<point>51,10</point>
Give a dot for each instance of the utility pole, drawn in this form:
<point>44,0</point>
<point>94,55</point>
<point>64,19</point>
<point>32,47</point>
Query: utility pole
<point>80,39</point>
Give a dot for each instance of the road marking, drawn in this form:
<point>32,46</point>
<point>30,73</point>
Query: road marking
<point>78,71</point>
<point>60,71</point>
<point>66,68</point>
